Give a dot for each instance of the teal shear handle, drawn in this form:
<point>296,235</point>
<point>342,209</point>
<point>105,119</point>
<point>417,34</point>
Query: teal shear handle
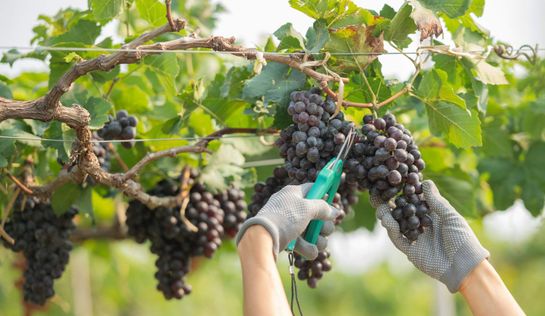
<point>327,182</point>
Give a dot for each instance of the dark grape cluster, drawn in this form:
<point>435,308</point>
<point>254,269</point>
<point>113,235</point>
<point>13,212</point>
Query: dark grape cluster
<point>314,138</point>
<point>176,237</point>
<point>393,164</point>
<point>122,127</point>
<point>43,238</point>
<point>234,207</point>
<point>312,271</point>
<point>204,212</point>
<point>169,236</point>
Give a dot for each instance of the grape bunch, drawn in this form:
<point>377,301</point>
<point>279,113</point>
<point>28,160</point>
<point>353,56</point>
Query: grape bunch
<point>169,238</point>
<point>205,213</point>
<point>43,238</point>
<point>312,271</point>
<point>122,127</point>
<point>314,139</point>
<point>393,164</point>
<point>234,207</point>
<point>175,237</point>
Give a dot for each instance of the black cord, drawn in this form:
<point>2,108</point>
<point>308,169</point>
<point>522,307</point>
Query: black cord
<point>294,293</point>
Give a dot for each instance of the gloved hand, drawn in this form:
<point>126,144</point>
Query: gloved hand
<point>286,215</point>
<point>448,250</point>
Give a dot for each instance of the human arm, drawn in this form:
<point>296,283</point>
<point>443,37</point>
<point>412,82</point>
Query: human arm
<point>282,219</point>
<point>263,290</point>
<point>450,252</point>
<point>486,294</point>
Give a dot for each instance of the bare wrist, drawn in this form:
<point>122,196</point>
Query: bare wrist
<point>256,243</point>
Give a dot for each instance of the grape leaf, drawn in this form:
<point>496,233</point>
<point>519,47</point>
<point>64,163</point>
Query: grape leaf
<point>532,195</point>
<point>496,140</point>
<point>317,36</point>
<point>275,83</point>
<point>84,203</point>
<point>436,87</point>
<point>533,118</point>
<point>437,158</point>
<point>534,162</point>
<point>426,21</point>
<point>289,37</point>
<point>64,197</point>
<point>223,168</point>
<point>459,127</point>
<point>105,10</point>
<point>166,68</point>
<point>84,31</point>
<point>400,27</point>
<point>55,132</point>
<point>504,177</point>
<point>98,108</point>
<point>457,187</point>
<point>452,8</point>
<point>152,11</point>
<point>5,91</point>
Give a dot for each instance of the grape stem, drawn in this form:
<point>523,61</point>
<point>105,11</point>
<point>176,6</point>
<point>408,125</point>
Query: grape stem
<point>18,183</point>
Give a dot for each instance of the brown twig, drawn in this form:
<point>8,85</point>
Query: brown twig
<point>173,25</point>
<point>5,215</point>
<point>19,183</point>
<point>185,187</point>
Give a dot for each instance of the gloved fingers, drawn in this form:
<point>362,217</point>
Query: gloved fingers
<point>435,200</point>
<point>322,210</point>
<point>328,228</point>
<point>306,249</point>
<point>381,210</point>
<point>305,187</point>
<point>392,228</point>
<point>321,244</point>
<point>376,201</point>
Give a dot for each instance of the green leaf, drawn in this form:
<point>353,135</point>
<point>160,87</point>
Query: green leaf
<point>223,168</point>
<point>55,132</point>
<point>132,98</point>
<point>85,202</point>
<point>84,31</point>
<point>387,11</point>
<point>98,108</point>
<point>361,215</point>
<point>532,196</point>
<point>64,197</point>
<point>5,91</point>
<point>275,83</point>
<point>452,8</point>
<point>166,67</point>
<point>457,187</point>
<point>173,125</point>
<point>317,36</point>
<point>460,128</point>
<point>533,119</point>
<point>487,73</point>
<point>496,140</point>
<point>201,122</point>
<point>289,37</point>
<point>105,76</point>
<point>477,7</point>
<point>105,10</point>
<point>504,177</point>
<point>437,158</point>
<point>400,27</point>
<point>152,11</point>
<point>436,87</point>
<point>534,162</point>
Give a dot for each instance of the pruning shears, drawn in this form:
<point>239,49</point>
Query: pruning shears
<point>327,182</point>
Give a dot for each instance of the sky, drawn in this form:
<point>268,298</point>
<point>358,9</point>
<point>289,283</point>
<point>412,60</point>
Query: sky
<point>516,22</point>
